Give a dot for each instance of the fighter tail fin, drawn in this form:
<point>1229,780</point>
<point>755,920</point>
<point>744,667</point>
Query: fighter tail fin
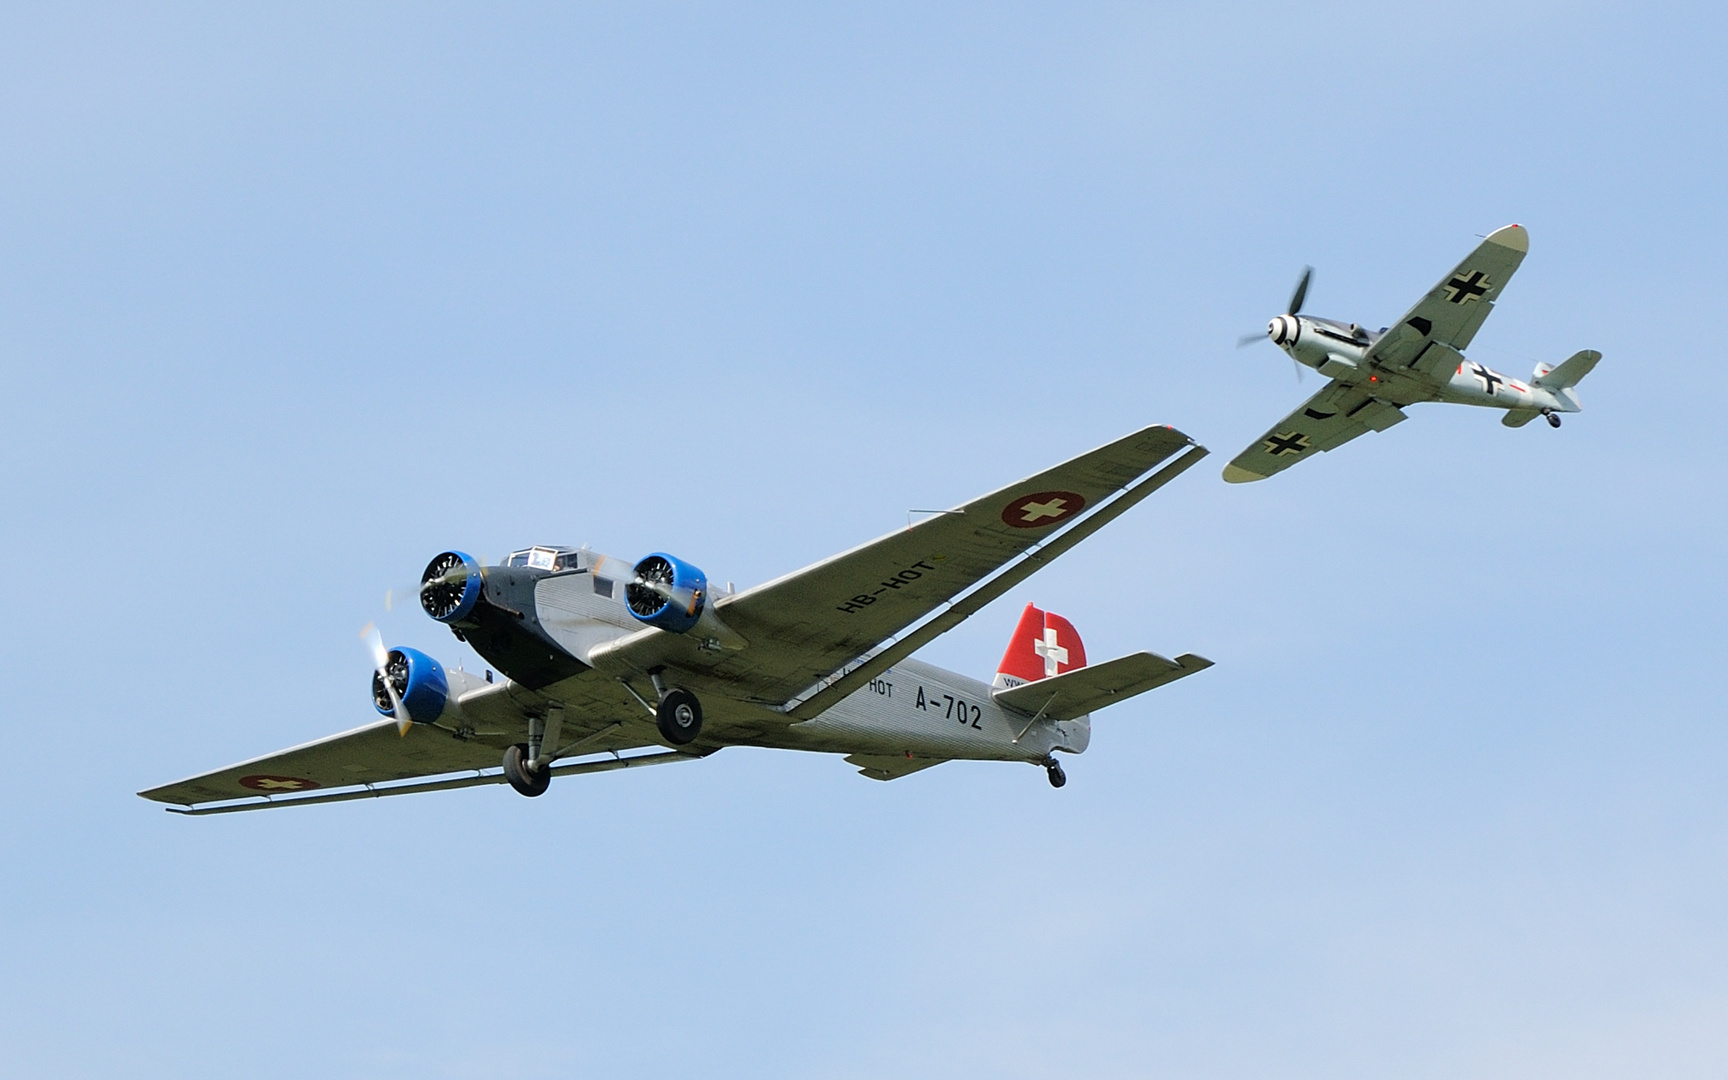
<point>1044,644</point>
<point>1568,373</point>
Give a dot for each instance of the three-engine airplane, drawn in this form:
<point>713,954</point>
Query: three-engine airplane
<point>1375,375</point>
<point>601,657</point>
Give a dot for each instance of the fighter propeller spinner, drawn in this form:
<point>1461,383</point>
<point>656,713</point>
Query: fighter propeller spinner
<point>1375,375</point>
<point>1290,309</point>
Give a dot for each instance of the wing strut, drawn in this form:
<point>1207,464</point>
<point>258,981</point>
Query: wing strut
<point>964,607</point>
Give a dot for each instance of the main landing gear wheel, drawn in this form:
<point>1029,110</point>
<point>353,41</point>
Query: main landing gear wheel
<point>1057,776</point>
<point>679,717</point>
<point>1553,420</point>
<point>519,771</point>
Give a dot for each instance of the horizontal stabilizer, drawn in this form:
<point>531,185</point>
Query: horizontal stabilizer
<point>1075,693</point>
<point>1519,417</point>
<point>891,766</point>
<point>1578,365</point>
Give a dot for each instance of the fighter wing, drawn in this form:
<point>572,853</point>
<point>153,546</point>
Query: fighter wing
<point>806,625</point>
<point>1334,416</point>
<point>1453,310</point>
<point>376,754</point>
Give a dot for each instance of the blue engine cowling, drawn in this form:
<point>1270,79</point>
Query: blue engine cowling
<point>667,592</point>
<point>451,586</point>
<point>418,681</point>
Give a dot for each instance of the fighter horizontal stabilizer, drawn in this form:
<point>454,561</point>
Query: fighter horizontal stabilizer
<point>1075,693</point>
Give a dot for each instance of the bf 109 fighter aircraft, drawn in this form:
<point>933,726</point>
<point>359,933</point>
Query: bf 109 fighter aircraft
<point>1375,375</point>
<point>601,657</point>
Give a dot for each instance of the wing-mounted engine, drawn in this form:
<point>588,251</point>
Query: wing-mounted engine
<point>492,609</point>
<point>672,595</point>
<point>419,683</point>
<point>667,592</point>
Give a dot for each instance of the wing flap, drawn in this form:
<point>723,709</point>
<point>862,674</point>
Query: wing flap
<point>1073,694</point>
<point>605,764</point>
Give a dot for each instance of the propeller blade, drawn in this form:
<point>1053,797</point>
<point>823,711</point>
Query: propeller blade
<point>1293,360</point>
<point>1301,292</point>
<point>1297,299</point>
<point>375,645</point>
<point>613,569</point>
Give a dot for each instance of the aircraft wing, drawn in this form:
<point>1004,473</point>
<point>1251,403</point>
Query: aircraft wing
<point>1454,309</point>
<point>370,754</point>
<point>375,754</point>
<point>807,625</point>
<point>1331,418</point>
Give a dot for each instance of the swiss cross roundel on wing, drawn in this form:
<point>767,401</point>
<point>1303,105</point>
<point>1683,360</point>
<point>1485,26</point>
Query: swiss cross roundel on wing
<point>272,784</point>
<point>1042,509</point>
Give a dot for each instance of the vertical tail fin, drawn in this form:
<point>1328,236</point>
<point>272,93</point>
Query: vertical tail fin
<point>1044,644</point>
<point>1567,373</point>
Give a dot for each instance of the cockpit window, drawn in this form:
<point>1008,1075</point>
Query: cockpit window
<point>554,559</point>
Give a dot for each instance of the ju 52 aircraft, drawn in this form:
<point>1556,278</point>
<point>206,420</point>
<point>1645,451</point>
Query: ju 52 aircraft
<point>1375,374</point>
<point>603,658</point>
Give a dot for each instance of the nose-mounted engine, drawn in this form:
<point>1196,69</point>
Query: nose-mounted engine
<point>1284,330</point>
<point>492,608</point>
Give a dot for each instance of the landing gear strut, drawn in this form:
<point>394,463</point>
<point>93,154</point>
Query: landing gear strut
<point>1054,769</point>
<point>1553,418</point>
<point>519,770</point>
<point>679,716</point>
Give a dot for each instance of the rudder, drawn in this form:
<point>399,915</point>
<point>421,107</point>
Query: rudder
<point>1044,644</point>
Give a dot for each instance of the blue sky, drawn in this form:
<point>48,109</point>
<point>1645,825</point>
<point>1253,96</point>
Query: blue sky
<point>296,296</point>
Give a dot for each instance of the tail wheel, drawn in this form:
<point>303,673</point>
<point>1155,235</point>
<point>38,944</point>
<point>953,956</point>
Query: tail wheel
<point>679,717</point>
<point>522,776</point>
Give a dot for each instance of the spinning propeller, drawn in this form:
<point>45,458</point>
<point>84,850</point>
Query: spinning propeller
<point>1295,305</point>
<point>384,676</point>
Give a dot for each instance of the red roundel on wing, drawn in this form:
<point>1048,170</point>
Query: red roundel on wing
<point>1042,509</point>
<point>271,785</point>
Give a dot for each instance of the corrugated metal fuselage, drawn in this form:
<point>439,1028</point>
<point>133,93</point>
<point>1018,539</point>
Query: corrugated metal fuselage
<point>914,709</point>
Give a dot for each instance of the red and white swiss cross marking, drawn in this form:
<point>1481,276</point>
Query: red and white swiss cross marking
<point>1042,509</point>
<point>271,784</point>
